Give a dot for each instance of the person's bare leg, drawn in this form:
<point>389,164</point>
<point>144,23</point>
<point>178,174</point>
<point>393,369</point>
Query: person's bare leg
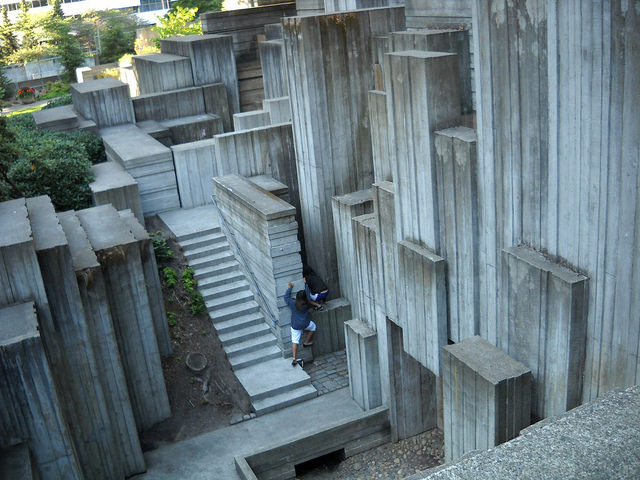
<point>294,350</point>
<point>309,337</point>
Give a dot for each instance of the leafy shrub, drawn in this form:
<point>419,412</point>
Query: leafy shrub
<point>161,248</point>
<point>191,286</point>
<point>54,90</point>
<point>171,319</point>
<point>92,144</point>
<point>58,102</point>
<point>170,277</point>
<point>7,87</point>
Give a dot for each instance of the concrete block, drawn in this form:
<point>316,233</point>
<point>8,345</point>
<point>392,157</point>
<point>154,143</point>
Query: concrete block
<point>195,166</point>
<point>333,141</point>
<point>212,60</point>
<point>74,364</point>
<point>384,208</point>
<point>330,324</point>
<point>59,119</point>
<point>217,103</point>
<point>118,254</point>
<point>369,295</point>
<point>423,96</point>
<point>160,72</point>
<point>456,171</point>
<point>103,339</point>
<point>382,165</point>
<point>193,128</point>
<point>443,13</point>
<point>274,71</point>
<point>543,325</point>
<point>362,358</point>
<point>114,185</point>
<point>279,109</point>
<point>271,185</point>
<point>253,119</point>
<point>17,462</point>
<point>105,101</point>
<point>422,304</point>
<point>344,209</point>
<point>487,397</point>
<point>29,400</point>
<point>165,105</point>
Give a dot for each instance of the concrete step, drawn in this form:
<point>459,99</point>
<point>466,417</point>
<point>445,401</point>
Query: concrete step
<point>211,260</point>
<point>233,311</point>
<point>236,323</point>
<point>215,270</point>
<point>251,345</point>
<point>224,289</point>
<point>285,399</point>
<point>193,235</point>
<point>235,298</point>
<point>242,334</point>
<point>271,378</point>
<point>213,237</point>
<point>213,280</point>
<point>203,251</point>
<point>256,356</point>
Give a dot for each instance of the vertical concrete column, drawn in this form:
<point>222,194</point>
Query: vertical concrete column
<point>362,359</point>
<point>105,101</point>
<point>329,63</point>
<point>487,397</point>
<point>274,72</point>
<point>456,172</point>
<point>544,322</point>
<point>103,338</point>
<point>384,208</point>
<point>369,296</point>
<point>76,369</point>
<point>413,395</point>
<point>423,95</point>
<point>344,209</point>
<point>422,304</point>
<point>119,255</point>
<point>151,280</point>
<point>330,322</point>
<point>382,165</point>
<point>30,406</point>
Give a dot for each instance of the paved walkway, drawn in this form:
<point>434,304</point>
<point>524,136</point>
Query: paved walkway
<point>329,372</point>
<point>211,455</point>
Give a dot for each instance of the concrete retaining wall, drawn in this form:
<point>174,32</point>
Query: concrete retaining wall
<point>333,143</point>
<point>114,185</point>
<point>253,119</point>
<point>362,358</point>
<point>330,322</point>
<point>487,397</point>
<point>438,13</point>
<point>274,72</point>
<point>544,326</point>
<point>29,400</point>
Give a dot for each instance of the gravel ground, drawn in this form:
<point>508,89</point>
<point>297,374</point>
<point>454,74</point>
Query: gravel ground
<point>389,462</point>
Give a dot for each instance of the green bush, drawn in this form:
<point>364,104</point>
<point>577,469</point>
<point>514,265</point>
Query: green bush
<point>92,144</point>
<point>48,163</point>
<point>161,248</point>
<point>170,277</point>
<point>191,286</point>
<point>54,90</point>
<point>58,102</point>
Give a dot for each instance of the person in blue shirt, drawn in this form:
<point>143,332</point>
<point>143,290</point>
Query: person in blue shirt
<point>299,321</point>
<point>316,290</point>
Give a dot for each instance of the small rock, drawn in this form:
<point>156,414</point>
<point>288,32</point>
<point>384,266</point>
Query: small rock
<point>357,466</point>
<point>246,417</point>
<point>253,415</point>
<point>235,419</point>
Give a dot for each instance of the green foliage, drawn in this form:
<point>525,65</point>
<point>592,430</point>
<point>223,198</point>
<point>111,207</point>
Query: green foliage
<point>92,145</point>
<point>170,277</point>
<point>54,90</point>
<point>117,39</point>
<point>8,155</point>
<point>56,9</point>
<point>8,38</point>
<point>161,248</point>
<point>46,163</point>
<point>201,6</point>
<point>58,102</point>
<point>171,319</point>
<point>191,286</point>
<point>177,22</point>
<point>6,86</point>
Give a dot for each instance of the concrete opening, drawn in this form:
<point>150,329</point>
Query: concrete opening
<point>328,462</point>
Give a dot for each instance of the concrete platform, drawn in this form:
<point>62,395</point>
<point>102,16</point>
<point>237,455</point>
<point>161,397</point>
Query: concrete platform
<point>211,455</point>
<point>187,222</point>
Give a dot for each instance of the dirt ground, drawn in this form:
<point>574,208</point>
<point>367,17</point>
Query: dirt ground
<point>203,402</point>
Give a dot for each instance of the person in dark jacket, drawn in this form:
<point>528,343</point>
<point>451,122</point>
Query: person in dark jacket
<point>299,321</point>
<point>315,289</point>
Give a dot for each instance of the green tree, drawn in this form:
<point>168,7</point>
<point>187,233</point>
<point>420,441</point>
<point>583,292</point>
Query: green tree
<point>7,37</point>
<point>178,22</point>
<point>201,5</point>
<point>65,45</point>
<point>118,38</point>
<point>56,10</point>
<point>8,155</point>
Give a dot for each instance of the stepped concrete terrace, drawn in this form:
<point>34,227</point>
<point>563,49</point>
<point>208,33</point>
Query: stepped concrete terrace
<point>246,336</point>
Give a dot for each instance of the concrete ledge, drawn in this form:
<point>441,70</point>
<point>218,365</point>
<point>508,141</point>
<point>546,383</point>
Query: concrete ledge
<point>114,185</point>
<point>279,461</point>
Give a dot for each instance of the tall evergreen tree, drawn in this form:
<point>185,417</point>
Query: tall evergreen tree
<point>7,37</point>
<point>56,10</point>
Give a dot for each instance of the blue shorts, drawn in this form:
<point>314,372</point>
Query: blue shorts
<point>319,296</point>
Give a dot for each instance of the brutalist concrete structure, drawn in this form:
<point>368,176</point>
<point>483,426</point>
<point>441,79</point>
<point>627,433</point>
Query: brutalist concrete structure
<point>487,397</point>
<point>362,358</point>
<point>114,185</point>
<point>105,101</point>
<point>161,72</point>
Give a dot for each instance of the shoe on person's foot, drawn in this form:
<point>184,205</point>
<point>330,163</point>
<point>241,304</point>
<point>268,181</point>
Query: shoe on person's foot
<point>301,363</point>
<point>319,308</point>
<point>294,362</point>
<point>307,345</point>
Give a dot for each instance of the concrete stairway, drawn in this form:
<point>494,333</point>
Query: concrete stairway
<point>250,346</point>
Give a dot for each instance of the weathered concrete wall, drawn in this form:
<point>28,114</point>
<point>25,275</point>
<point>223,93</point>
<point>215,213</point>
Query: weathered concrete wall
<point>345,208</point>
<point>422,304</point>
<point>212,61</point>
<point>119,256</point>
<point>544,308</point>
<point>279,109</point>
<point>560,111</point>
<point>369,298</point>
<point>456,171</point>
<point>75,367</point>
<point>362,358</point>
<point>195,165</point>
<point>422,96</point>
<point>160,72</point>
<point>382,163</point>
<point>274,71</point>
<point>191,129</point>
<point>487,397</point>
<point>18,462</point>
<point>103,339</point>
<point>266,232</point>
<point>326,56</point>
<point>29,400</point>
<point>253,119</point>
<point>438,13</point>
<point>114,185</point>
<point>330,322</point>
<point>384,208</point>
<point>105,101</point>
